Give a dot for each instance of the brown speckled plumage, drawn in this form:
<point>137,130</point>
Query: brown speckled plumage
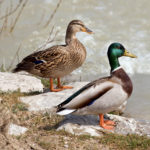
<point>59,60</point>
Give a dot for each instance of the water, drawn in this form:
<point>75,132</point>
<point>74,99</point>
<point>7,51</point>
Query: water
<point>123,21</point>
<point>138,105</point>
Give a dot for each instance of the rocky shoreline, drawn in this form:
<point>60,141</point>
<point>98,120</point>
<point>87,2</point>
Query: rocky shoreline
<point>77,125</point>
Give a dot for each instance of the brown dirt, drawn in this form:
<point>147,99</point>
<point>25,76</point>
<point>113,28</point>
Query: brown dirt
<point>41,134</point>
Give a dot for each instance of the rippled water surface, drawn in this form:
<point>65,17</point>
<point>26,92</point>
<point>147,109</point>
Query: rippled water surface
<point>123,21</point>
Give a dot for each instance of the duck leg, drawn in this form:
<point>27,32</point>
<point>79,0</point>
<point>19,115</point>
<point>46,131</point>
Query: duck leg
<point>109,122</point>
<point>61,86</point>
<point>106,124</point>
<point>52,87</point>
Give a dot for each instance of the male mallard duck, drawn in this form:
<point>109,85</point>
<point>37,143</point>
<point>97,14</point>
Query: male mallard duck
<point>59,60</point>
<point>103,95</point>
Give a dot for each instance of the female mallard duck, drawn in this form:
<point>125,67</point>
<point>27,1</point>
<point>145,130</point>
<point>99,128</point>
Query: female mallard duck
<point>103,95</point>
<point>59,60</point>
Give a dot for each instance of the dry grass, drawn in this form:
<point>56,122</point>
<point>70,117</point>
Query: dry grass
<point>42,133</point>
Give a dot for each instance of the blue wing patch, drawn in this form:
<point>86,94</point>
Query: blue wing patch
<point>38,61</point>
<point>91,102</point>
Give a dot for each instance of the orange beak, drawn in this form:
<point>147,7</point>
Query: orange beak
<point>85,29</point>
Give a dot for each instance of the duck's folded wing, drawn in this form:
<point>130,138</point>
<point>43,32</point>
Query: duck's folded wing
<point>86,95</point>
<point>47,55</point>
<point>39,60</point>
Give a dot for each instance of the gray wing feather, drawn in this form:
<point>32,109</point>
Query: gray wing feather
<point>90,94</point>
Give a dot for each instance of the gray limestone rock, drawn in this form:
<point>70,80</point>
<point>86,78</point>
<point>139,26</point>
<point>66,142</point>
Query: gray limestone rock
<point>89,125</point>
<point>16,130</point>
<point>10,82</point>
<point>47,101</point>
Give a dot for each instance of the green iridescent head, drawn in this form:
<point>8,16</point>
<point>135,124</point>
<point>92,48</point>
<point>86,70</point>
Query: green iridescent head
<point>115,51</point>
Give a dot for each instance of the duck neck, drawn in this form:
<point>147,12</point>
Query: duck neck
<point>114,63</point>
<point>70,36</point>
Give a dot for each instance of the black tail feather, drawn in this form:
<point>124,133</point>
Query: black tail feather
<point>15,70</point>
<point>23,67</point>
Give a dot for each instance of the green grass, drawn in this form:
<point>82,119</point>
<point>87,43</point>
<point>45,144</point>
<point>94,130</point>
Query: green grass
<point>128,142</point>
<point>2,68</point>
<point>85,137</point>
<point>45,145</point>
<point>113,141</point>
<point>45,82</point>
<point>19,107</point>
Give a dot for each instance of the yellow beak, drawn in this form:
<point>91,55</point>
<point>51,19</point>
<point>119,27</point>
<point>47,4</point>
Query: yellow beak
<point>126,53</point>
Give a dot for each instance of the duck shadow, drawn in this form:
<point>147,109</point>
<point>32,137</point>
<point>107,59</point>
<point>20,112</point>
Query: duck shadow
<point>46,90</point>
<point>92,120</point>
<point>82,120</point>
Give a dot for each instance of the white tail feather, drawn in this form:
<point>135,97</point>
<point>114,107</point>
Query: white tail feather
<point>65,112</point>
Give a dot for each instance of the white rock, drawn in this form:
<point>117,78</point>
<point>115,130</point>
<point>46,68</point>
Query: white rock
<point>80,130</point>
<point>89,125</point>
<point>13,81</point>
<point>81,125</point>
<point>16,130</point>
<point>48,100</point>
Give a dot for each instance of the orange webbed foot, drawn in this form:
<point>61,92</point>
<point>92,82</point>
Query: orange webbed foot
<point>106,124</point>
<point>61,88</point>
<point>109,122</point>
<point>52,89</point>
<point>55,90</point>
<point>108,127</point>
<point>65,87</point>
